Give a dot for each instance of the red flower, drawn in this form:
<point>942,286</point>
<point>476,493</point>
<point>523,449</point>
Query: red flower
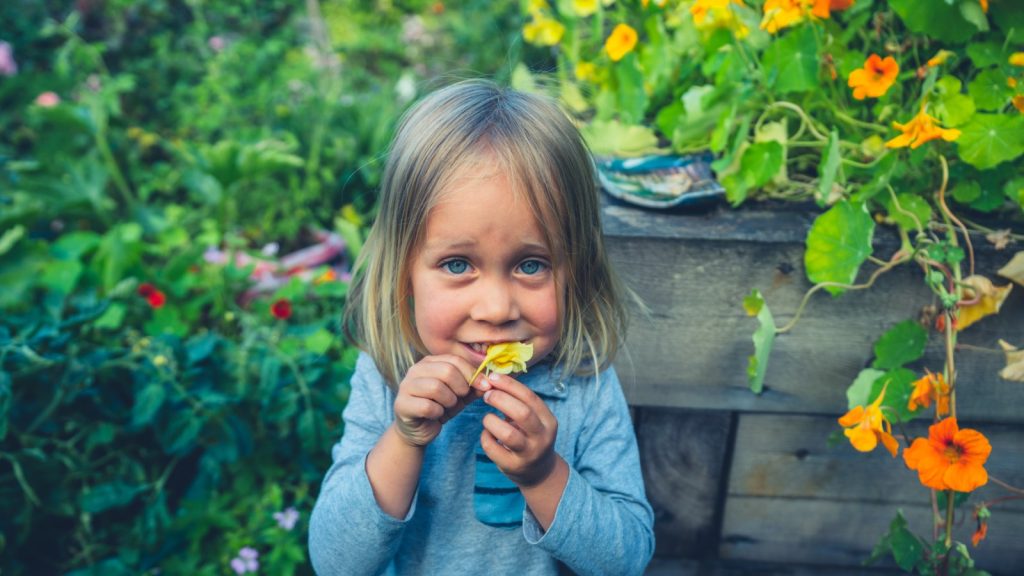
<point>281,309</point>
<point>154,297</point>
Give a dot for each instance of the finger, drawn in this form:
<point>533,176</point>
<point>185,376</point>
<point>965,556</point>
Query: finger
<point>524,417</point>
<point>521,392</point>
<point>417,407</point>
<point>453,370</point>
<point>433,389</point>
<point>510,436</point>
<point>500,455</point>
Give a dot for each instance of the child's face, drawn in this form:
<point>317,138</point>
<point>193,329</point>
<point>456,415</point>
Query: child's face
<point>483,273</point>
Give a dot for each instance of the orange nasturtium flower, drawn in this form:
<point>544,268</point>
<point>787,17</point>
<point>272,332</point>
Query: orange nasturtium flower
<point>866,426</point>
<point>950,458</point>
<point>930,387</point>
<point>875,78</point>
<point>939,59</point>
<point>919,130</point>
<point>620,42</point>
<point>505,358</point>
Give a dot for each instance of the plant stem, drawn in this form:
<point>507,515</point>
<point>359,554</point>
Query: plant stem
<point>950,509</point>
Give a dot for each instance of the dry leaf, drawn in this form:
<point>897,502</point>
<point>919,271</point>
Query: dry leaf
<point>989,299</point>
<point>1014,363</point>
<point>1014,269</point>
<point>999,238</point>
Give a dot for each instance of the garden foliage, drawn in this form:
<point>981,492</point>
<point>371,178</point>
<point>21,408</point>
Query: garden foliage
<point>903,114</point>
<point>169,388</point>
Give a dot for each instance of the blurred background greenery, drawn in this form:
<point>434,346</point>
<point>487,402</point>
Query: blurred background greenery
<point>183,184</point>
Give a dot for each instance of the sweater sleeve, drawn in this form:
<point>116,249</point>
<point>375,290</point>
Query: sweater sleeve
<point>603,523</point>
<point>348,531</point>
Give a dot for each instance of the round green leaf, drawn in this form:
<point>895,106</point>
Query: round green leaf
<point>838,243</point>
<point>989,139</point>
<point>989,89</point>
<point>792,62</point>
<point>940,20</point>
<point>913,212</point>
<point>900,345</point>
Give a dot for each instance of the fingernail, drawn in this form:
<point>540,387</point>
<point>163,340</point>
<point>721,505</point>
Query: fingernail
<point>493,376</point>
<point>487,395</point>
<point>484,384</point>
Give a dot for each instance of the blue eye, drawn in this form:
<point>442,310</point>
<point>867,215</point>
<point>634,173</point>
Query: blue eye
<point>455,266</point>
<point>531,267</point>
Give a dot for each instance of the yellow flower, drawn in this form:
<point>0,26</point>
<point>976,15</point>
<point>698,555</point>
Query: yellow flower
<point>779,14</point>
<point>505,358</point>
<point>1018,103</point>
<point>1017,59</point>
<point>919,130</point>
<point>866,426</point>
<point>715,14</point>
<point>584,7</point>
<point>543,31</point>
<point>620,42</point>
<point>159,360</point>
<point>535,6</point>
<point>586,71</point>
<point>875,78</point>
<point>939,59</point>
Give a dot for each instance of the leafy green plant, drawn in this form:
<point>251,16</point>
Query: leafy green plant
<point>882,114</point>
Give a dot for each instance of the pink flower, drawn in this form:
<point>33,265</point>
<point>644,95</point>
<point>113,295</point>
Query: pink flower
<point>47,100</point>
<point>216,43</point>
<point>245,561</point>
<point>288,518</point>
<point>8,67</point>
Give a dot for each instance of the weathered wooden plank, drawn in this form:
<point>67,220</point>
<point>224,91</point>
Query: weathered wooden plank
<point>831,532</point>
<point>684,567</point>
<point>682,454</point>
<point>831,505</point>
<point>692,272</point>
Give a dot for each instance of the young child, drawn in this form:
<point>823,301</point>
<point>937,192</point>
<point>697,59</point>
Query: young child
<point>488,232</point>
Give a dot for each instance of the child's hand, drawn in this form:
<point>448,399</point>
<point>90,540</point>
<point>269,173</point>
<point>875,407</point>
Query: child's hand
<point>433,391</point>
<point>522,445</point>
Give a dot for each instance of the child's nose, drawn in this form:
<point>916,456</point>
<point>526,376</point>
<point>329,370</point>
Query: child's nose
<point>495,303</point>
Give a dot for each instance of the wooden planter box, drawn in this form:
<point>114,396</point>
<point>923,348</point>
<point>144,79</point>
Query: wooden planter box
<point>738,479</point>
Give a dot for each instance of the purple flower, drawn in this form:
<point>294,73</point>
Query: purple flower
<point>288,518</point>
<point>246,561</point>
<point>8,67</point>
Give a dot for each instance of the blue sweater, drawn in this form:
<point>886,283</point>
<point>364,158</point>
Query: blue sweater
<point>466,517</point>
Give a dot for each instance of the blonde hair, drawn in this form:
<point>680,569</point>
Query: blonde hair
<point>546,161</point>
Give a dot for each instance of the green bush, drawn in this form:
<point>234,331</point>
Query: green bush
<point>160,409</point>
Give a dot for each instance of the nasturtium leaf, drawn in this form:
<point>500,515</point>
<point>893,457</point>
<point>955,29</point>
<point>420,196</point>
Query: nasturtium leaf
<point>1014,190</point>
<point>760,162</point>
<point>985,54</point>
<point>838,242</point>
<point>61,275</point>
<point>858,394</point>
<point>973,13</point>
<point>792,62</point>
<point>966,191</point>
<point>828,168</point>
<point>110,495</point>
<point>990,90</point>
<point>764,339</point>
<point>898,384</point>
<point>632,97</point>
<point>900,345</point>
<point>906,548</point>
<point>989,139</point>
<point>613,137</point>
<point>911,213</point>
<point>940,20</point>
<point>953,109</point>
